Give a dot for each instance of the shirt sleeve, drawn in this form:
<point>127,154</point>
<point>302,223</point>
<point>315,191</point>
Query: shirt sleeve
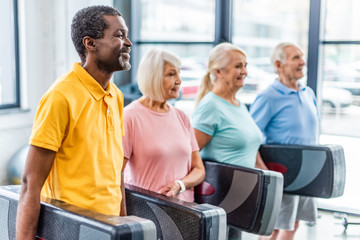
<point>186,120</point>
<point>193,141</point>
<point>51,121</point>
<point>205,119</point>
<point>260,111</point>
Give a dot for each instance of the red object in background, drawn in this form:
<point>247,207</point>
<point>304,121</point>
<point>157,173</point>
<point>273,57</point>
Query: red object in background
<point>189,92</point>
<point>277,167</point>
<point>39,238</point>
<point>205,189</point>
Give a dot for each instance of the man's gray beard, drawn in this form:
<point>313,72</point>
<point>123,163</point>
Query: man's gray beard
<point>126,66</point>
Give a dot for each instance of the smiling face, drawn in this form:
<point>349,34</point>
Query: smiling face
<point>171,81</point>
<point>113,50</point>
<point>232,76</point>
<point>293,67</point>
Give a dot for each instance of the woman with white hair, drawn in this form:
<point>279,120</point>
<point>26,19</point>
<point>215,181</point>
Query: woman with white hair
<point>160,147</point>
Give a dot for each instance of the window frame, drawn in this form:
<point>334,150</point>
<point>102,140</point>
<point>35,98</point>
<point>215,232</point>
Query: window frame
<point>223,33</point>
<point>223,9</point>
<point>15,34</point>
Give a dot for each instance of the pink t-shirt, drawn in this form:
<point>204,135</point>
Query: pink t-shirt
<point>159,147</point>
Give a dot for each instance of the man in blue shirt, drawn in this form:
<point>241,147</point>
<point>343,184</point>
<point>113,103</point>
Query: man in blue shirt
<point>286,113</point>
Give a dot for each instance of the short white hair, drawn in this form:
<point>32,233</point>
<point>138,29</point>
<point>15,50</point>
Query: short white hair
<point>150,72</point>
<point>278,53</point>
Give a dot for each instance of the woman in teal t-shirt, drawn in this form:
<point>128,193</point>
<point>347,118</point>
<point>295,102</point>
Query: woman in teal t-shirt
<point>223,126</point>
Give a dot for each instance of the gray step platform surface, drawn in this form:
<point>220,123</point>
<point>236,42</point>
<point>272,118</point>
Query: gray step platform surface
<point>315,171</point>
<point>251,197</point>
<point>176,219</point>
<point>59,221</point>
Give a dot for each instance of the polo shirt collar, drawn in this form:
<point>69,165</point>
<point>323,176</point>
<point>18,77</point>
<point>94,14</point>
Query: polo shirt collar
<point>284,89</point>
<point>91,84</point>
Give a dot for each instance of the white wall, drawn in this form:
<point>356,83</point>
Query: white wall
<point>46,52</point>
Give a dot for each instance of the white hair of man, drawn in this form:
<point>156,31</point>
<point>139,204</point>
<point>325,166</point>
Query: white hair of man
<point>278,54</point>
<point>150,72</point>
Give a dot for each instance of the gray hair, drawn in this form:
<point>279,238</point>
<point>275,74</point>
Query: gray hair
<point>150,72</point>
<point>278,53</point>
<point>89,22</point>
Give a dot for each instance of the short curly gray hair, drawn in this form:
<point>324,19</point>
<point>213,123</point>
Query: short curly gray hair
<point>90,22</point>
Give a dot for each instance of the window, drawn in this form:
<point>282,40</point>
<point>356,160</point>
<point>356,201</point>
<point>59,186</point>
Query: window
<point>342,20</point>
<point>9,66</point>
<point>177,21</point>
<point>258,26</point>
<point>185,28</point>
<point>339,82</point>
<point>340,69</point>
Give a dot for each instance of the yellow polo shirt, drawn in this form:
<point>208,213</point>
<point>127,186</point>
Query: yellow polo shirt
<point>83,124</point>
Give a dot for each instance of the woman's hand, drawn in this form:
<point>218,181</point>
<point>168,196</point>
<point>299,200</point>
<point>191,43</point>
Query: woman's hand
<point>194,178</point>
<point>170,190</point>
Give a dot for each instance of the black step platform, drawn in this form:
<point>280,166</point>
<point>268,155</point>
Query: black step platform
<point>250,197</point>
<point>59,221</point>
<point>176,219</point>
<point>316,171</point>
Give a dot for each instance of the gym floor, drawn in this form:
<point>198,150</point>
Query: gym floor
<point>328,227</point>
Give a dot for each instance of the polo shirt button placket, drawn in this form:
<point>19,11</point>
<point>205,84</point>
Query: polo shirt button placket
<point>299,96</point>
<point>107,110</point>
<point>109,119</point>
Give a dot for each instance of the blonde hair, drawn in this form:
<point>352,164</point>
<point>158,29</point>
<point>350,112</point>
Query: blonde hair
<point>218,59</point>
<point>150,72</point>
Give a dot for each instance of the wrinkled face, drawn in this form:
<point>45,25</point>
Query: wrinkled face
<point>113,50</point>
<point>293,67</point>
<point>171,81</point>
<point>233,75</point>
